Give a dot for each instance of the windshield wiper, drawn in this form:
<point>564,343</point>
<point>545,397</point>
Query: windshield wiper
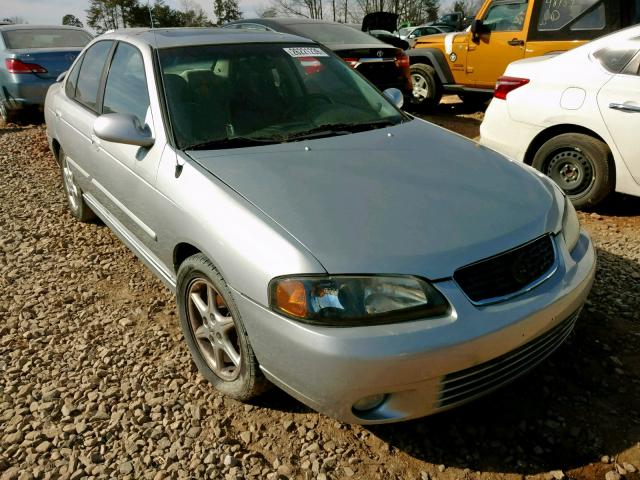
<point>341,129</point>
<point>232,142</point>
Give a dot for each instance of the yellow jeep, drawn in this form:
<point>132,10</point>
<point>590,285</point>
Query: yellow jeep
<point>469,63</point>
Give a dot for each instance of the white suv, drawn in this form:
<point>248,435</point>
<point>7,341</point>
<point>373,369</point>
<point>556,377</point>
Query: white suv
<point>574,117</point>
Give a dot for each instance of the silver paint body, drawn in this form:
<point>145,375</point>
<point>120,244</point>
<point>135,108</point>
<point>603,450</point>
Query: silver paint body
<point>409,199</point>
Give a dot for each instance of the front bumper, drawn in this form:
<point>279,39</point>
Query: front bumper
<point>416,363</point>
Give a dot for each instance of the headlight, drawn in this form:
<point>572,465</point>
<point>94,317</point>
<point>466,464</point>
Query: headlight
<point>350,300</point>
<point>570,225</point>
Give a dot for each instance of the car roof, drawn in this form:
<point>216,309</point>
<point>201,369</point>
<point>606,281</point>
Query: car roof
<point>27,26</point>
<point>188,36</point>
<point>287,21</point>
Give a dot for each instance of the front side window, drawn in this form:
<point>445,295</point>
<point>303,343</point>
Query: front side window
<point>506,16</point>
<point>45,38</point>
<point>242,95</point>
<point>126,88</point>
<point>90,74</point>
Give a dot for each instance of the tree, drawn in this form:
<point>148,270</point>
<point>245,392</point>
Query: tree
<point>226,11</point>
<point>71,20</point>
<point>14,20</point>
<point>432,7</point>
<point>266,12</point>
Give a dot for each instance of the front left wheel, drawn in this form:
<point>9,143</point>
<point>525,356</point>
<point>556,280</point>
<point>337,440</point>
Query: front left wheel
<point>214,331</point>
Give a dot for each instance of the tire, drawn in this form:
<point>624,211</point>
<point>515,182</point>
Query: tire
<point>77,206</point>
<point>581,165</point>
<point>219,345</point>
<point>427,89</point>
<point>7,115</point>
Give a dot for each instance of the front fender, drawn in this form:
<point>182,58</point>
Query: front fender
<point>435,58</point>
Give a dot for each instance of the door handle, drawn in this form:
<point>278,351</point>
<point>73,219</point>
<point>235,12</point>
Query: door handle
<point>57,113</point>
<point>625,107</point>
<point>516,43</point>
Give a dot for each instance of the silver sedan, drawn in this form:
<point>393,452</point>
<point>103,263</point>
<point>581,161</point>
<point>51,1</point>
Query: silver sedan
<point>371,264</point>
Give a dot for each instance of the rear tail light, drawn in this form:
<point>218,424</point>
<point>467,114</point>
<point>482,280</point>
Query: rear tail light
<point>404,64</point>
<point>352,62</point>
<point>18,66</point>
<point>508,84</point>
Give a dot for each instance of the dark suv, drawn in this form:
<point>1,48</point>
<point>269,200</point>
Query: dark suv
<point>383,65</point>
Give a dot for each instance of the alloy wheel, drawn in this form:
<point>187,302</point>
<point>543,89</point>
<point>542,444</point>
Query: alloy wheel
<point>420,87</point>
<point>73,192</point>
<point>214,329</point>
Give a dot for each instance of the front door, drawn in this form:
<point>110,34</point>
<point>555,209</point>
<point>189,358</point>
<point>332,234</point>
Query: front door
<point>502,42</point>
<point>619,103</point>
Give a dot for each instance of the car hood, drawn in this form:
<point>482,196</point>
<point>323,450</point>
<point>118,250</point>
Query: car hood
<point>410,199</point>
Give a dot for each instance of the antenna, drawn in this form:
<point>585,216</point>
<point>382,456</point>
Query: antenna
<point>150,15</point>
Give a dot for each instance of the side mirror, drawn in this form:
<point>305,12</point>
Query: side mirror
<point>413,35</point>
<point>62,76</point>
<point>395,96</point>
<point>477,27</point>
<point>122,128</point>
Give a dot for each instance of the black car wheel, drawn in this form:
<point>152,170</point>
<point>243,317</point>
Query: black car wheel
<point>581,165</point>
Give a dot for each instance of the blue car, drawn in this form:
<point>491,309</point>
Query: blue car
<point>31,58</point>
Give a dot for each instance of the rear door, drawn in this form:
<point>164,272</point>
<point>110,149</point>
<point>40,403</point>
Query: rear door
<point>619,102</point>
<point>502,43</point>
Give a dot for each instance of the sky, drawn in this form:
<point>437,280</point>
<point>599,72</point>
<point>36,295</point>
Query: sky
<point>50,12</point>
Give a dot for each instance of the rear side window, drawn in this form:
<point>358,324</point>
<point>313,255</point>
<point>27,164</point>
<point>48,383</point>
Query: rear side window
<point>45,38</point>
<point>578,19</point>
<point>90,74</point>
<point>126,87</point>
<point>72,80</point>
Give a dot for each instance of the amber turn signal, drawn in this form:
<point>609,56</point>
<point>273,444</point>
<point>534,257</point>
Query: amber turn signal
<point>291,297</point>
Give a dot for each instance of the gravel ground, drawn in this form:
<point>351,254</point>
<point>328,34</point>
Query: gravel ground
<point>97,382</point>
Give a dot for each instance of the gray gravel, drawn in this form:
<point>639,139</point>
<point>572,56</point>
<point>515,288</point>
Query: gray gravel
<point>97,382</point>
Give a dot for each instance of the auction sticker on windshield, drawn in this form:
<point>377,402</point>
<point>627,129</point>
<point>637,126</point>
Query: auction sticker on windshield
<point>297,52</point>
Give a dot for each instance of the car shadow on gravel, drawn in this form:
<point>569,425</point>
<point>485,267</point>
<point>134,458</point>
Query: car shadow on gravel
<point>619,205</point>
<point>578,405</point>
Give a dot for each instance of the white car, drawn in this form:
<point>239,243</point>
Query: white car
<point>574,117</point>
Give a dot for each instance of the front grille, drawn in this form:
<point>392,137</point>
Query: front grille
<point>465,385</point>
<point>508,273</point>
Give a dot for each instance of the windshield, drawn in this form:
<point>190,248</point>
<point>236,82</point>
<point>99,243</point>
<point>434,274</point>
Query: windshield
<point>45,38</point>
<point>331,33</point>
<point>227,96</point>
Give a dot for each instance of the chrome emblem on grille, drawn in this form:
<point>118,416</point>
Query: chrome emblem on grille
<point>379,53</point>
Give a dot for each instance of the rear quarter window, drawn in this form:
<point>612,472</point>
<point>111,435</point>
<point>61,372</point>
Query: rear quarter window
<point>615,58</point>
